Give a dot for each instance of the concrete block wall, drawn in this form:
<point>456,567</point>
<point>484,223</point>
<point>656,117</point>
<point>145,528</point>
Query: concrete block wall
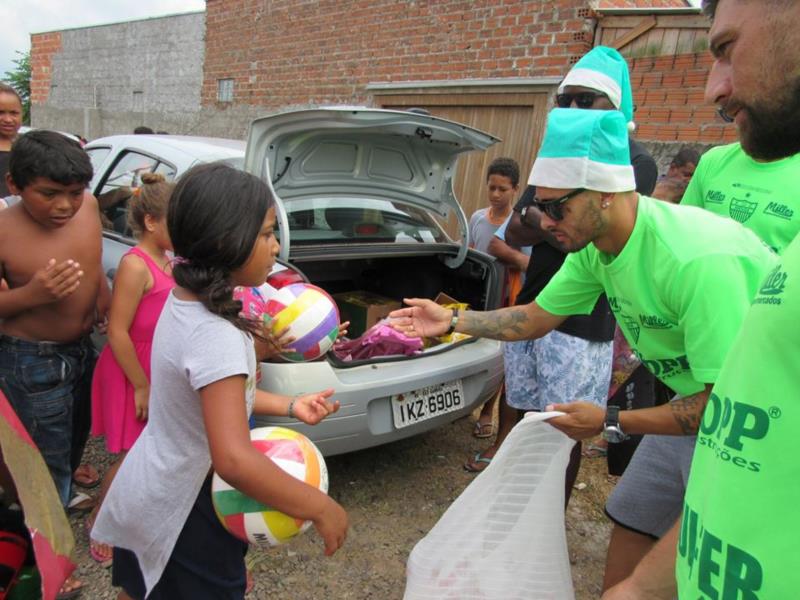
<point>111,78</point>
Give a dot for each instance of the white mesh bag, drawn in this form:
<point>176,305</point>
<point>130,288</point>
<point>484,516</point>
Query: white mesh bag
<point>503,538</point>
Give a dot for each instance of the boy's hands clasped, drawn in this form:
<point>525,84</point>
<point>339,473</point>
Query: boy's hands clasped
<point>55,281</point>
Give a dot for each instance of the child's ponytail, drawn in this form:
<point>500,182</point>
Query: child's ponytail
<point>215,215</point>
<point>150,198</point>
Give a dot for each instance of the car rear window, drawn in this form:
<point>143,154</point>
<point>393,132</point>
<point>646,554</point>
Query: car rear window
<point>118,186</point>
<point>360,220</point>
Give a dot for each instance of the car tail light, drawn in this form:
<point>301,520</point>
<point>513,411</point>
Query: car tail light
<point>284,277</point>
<point>366,229</point>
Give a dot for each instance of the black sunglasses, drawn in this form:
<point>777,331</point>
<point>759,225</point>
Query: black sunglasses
<point>555,208</point>
<point>581,99</point>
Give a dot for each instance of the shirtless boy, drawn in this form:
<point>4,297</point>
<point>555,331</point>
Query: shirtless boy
<point>50,249</point>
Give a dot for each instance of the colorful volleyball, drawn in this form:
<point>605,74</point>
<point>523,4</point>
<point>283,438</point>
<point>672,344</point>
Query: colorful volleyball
<point>257,523</point>
<point>311,316</point>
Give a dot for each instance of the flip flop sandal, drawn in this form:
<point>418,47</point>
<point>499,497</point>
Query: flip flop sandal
<point>477,459</point>
<point>251,583</point>
<point>99,557</point>
<point>81,503</point>
<point>74,592</point>
<point>482,430</point>
<point>86,481</point>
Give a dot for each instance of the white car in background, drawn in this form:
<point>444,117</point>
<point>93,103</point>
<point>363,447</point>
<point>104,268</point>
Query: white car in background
<point>360,194</point>
<point>118,162</point>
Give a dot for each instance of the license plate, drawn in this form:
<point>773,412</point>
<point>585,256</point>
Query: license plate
<point>427,403</point>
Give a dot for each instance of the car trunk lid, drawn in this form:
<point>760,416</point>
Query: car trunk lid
<point>362,152</point>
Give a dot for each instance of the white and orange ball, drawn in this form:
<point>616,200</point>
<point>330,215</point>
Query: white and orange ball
<point>254,522</point>
<point>311,316</point>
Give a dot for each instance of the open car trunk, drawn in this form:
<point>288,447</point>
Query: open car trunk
<point>360,196</point>
<point>387,398</point>
<point>396,276</point>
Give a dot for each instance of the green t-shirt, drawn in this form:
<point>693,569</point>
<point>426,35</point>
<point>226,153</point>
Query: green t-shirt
<point>679,289</point>
<point>742,512</point>
<point>761,196</point>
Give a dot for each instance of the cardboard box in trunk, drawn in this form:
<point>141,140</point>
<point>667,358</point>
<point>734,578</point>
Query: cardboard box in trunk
<point>363,310</point>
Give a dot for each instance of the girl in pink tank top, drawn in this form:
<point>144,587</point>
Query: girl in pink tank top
<point>121,383</point>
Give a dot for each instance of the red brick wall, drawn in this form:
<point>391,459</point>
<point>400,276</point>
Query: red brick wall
<point>669,95</point>
<point>43,46</point>
<point>290,52</point>
<point>606,4</point>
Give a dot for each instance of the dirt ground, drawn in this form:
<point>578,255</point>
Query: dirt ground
<point>394,494</point>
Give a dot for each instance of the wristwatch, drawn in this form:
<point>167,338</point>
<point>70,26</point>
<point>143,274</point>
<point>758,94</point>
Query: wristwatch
<point>453,322</point>
<point>612,432</point>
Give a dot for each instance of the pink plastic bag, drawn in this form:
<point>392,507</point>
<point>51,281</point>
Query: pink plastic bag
<point>378,340</point>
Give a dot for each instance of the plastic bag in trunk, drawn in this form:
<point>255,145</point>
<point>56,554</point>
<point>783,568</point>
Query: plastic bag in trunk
<point>503,538</point>
<point>379,340</point>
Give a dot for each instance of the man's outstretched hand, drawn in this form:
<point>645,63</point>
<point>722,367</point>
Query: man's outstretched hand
<point>422,318</point>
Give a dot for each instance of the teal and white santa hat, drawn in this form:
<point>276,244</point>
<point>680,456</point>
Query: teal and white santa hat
<point>605,70</point>
<point>584,149</point>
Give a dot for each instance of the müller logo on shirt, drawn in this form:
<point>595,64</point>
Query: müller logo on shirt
<point>654,322</point>
<point>779,210</point>
<point>774,285</point>
<point>715,197</point>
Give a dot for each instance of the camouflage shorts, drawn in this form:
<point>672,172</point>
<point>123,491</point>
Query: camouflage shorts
<point>555,369</point>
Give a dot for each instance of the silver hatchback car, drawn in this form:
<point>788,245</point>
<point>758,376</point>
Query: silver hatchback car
<point>361,194</point>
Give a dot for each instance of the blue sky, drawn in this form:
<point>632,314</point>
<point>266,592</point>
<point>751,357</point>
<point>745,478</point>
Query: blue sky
<point>20,18</point>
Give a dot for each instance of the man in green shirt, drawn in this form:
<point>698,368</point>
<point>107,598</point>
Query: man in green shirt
<point>737,537</point>
<point>679,305</point>
<point>760,194</point>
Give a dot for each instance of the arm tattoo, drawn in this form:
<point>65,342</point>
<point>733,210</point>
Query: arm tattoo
<point>688,411</point>
<point>508,324</point>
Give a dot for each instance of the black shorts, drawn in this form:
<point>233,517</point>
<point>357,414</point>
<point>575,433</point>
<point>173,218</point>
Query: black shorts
<point>207,562</point>
<point>641,390</point>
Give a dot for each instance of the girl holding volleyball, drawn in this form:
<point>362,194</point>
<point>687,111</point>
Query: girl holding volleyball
<point>168,542</point>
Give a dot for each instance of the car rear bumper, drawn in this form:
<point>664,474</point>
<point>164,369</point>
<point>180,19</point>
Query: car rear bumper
<point>365,392</point>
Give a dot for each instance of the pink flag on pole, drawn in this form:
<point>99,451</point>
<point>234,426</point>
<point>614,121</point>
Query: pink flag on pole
<point>53,541</point>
